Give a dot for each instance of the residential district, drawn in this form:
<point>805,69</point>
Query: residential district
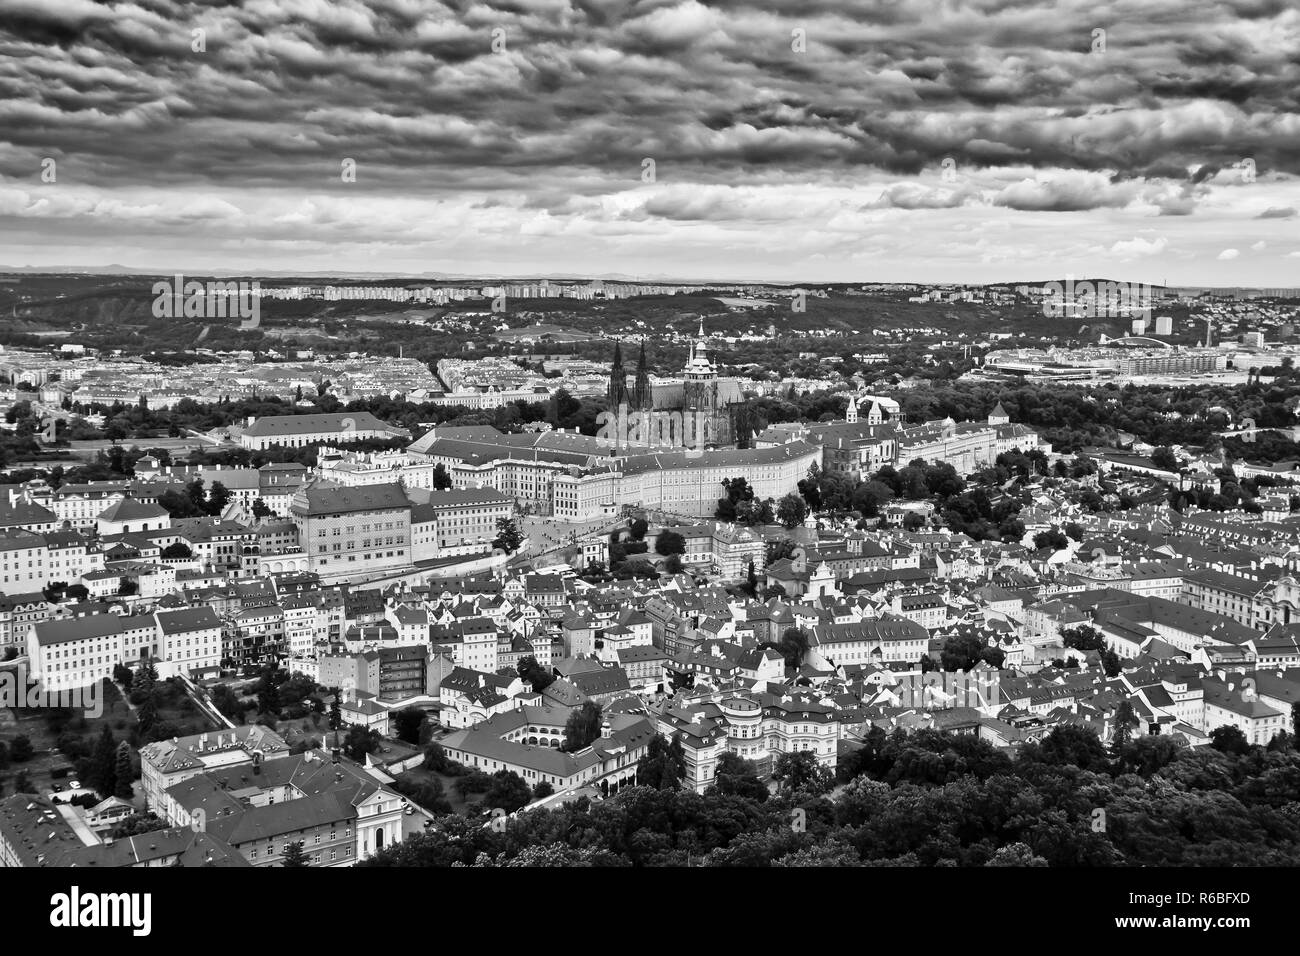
<point>317,662</point>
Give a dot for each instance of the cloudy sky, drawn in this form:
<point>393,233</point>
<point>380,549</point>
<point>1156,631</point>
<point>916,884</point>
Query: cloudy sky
<point>790,140</point>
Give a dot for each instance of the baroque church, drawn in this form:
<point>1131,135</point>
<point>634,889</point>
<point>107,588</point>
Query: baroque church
<point>700,410</point>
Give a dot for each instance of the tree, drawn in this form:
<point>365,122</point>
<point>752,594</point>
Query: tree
<point>441,480</point>
<point>475,781</point>
<point>508,791</point>
<point>1083,638</point>
<point>294,856</point>
<point>1164,459</point>
<point>791,511</point>
<point>735,776</point>
<point>800,772</point>
<point>359,742</point>
<point>146,717</point>
<point>669,543</point>
<point>103,764</point>
<point>582,727</point>
<point>146,675</point>
<point>177,550</point>
<point>430,795</point>
<point>542,791</point>
<point>533,672</point>
<point>407,722</point>
<point>1016,854</point>
<point>124,772</point>
<point>436,760</point>
<point>736,491</point>
<point>1229,740</point>
<point>336,712</point>
<point>268,694</point>
<point>1125,720</point>
<point>663,765</point>
<point>1051,539</point>
<point>509,538</point>
<point>793,646</point>
<point>218,497</point>
<point>870,496</point>
<point>20,749</point>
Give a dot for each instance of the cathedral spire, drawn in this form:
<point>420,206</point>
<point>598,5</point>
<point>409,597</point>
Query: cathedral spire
<point>616,392</point>
<point>641,395</point>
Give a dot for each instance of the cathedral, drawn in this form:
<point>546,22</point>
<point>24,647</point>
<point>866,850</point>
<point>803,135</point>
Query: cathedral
<point>701,410</point>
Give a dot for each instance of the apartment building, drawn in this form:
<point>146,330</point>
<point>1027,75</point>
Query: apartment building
<point>18,612</point>
<point>165,763</point>
<point>346,531</point>
<point>23,557</point>
<point>882,641</point>
<point>79,651</point>
<point>191,638</point>
<point>456,521</point>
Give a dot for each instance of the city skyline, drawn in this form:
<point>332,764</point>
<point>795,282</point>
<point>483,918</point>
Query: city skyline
<point>929,142</point>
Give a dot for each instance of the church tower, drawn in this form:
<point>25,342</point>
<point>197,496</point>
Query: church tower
<point>701,378</point>
<point>700,419</point>
<point>616,391</point>
<point>851,415</point>
<point>999,415</point>
<point>642,396</point>
<point>876,416</point>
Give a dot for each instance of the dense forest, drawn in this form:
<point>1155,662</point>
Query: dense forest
<point>928,799</point>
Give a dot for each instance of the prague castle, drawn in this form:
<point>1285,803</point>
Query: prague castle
<point>701,410</point>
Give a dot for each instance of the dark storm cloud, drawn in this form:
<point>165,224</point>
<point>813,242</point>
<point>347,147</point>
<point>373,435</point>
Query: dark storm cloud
<point>409,84</point>
<point>787,128</point>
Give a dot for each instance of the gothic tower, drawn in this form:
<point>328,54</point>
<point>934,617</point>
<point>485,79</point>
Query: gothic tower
<point>851,415</point>
<point>616,391</point>
<point>642,398</point>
